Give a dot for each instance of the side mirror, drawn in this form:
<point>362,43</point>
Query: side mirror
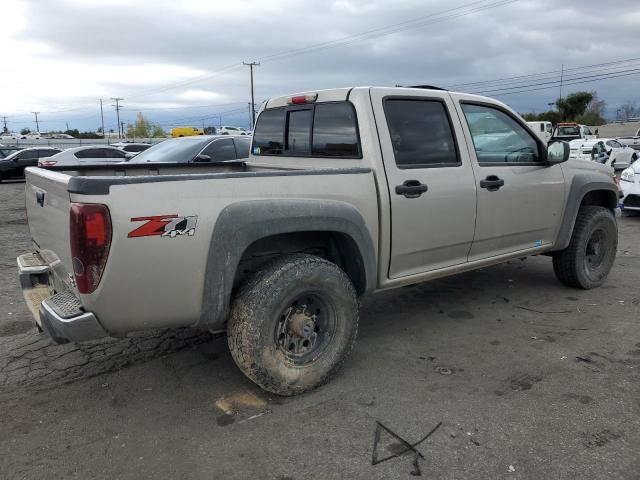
<point>558,152</point>
<point>202,158</point>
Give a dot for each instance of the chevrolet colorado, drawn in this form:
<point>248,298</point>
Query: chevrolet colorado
<point>346,192</point>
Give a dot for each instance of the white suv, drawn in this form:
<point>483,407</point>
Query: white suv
<point>226,130</point>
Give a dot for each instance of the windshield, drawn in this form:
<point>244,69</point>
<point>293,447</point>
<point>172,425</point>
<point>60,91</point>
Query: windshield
<point>173,151</point>
<point>568,131</point>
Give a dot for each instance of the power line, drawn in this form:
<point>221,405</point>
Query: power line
<point>569,83</point>
<point>449,14</point>
<point>551,72</point>
<point>560,82</point>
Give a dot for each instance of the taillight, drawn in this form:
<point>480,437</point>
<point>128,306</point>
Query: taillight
<point>90,236</point>
<point>301,99</point>
<point>47,163</point>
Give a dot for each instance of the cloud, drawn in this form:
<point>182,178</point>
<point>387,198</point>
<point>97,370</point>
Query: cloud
<point>69,53</point>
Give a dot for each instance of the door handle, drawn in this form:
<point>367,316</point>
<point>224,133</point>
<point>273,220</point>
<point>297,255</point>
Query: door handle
<point>492,183</point>
<point>411,189</point>
<point>40,198</point>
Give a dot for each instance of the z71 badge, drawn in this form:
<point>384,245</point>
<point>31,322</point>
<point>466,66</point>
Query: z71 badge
<point>164,226</point>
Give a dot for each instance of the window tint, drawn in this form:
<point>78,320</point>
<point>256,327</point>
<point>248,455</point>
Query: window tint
<point>242,147</point>
<point>221,150</point>
<point>113,153</point>
<point>135,148</point>
<point>90,153</point>
<point>29,155</point>
<point>334,130</point>
<point>269,132</point>
<point>47,153</point>
<point>614,144</point>
<point>498,138</point>
<point>420,133</point>
<point>299,132</point>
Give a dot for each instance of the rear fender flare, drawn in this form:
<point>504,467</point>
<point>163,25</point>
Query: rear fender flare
<point>241,224</point>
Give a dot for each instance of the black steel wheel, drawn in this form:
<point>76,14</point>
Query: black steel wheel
<point>293,324</point>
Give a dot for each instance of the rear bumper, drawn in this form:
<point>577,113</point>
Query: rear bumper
<point>59,315</point>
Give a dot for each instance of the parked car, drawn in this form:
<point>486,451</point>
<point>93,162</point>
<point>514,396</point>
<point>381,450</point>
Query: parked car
<point>569,131</point>
<point>544,130</point>
<point>9,136</point>
<point>632,141</point>
<point>206,148</point>
<point>607,151</point>
<point>227,130</point>
<point>185,132</point>
<point>630,188</point>
<point>330,206</point>
<point>13,165</point>
<point>86,155</point>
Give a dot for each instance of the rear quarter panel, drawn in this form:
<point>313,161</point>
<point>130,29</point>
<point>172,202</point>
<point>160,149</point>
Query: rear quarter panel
<point>157,282</point>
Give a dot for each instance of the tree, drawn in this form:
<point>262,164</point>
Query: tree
<point>25,131</point>
<point>629,109</point>
<point>158,132</point>
<point>594,113</point>
<point>574,105</point>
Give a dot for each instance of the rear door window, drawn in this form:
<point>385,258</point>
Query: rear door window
<point>421,133</point>
<point>90,153</point>
<point>47,153</point>
<point>113,153</point>
<point>221,150</point>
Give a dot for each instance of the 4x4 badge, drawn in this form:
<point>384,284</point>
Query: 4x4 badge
<point>164,226</point>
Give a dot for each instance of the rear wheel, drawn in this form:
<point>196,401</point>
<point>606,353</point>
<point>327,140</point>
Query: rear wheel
<point>588,259</point>
<point>293,324</point>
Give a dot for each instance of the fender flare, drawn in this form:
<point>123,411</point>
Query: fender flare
<point>581,185</point>
<point>241,224</point>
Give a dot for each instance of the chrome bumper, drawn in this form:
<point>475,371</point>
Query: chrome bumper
<point>60,316</point>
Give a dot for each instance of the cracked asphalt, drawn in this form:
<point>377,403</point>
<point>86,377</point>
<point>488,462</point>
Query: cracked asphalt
<point>530,380</point>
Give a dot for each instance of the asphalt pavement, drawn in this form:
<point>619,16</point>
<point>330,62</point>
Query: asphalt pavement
<point>498,373</point>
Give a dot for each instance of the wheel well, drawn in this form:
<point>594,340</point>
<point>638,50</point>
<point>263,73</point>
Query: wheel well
<point>336,247</point>
<point>601,198</point>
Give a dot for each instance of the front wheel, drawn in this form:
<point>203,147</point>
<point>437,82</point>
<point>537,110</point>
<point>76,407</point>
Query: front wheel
<point>588,259</point>
<point>293,324</point>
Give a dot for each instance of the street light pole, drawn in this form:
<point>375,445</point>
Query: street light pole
<point>37,124</point>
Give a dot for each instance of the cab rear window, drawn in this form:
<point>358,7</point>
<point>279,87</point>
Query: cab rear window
<point>313,130</point>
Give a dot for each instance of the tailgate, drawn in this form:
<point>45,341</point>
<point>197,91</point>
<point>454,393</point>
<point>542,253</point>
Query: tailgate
<point>47,203</point>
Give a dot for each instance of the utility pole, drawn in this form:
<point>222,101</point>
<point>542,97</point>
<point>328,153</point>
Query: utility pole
<point>253,101</point>
<point>122,125</point>
<point>102,118</point>
<point>118,107</point>
<point>561,80</point>
<point>4,119</point>
<point>67,123</point>
<point>37,125</point>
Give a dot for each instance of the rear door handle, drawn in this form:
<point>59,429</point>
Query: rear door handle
<point>411,189</point>
<point>492,183</point>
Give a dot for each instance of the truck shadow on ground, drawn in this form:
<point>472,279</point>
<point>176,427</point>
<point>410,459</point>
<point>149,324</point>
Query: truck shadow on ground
<point>486,295</point>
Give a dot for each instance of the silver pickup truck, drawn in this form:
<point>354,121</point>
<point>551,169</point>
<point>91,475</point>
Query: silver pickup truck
<point>346,192</point>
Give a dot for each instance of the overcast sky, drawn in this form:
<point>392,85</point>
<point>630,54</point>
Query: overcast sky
<point>180,61</point>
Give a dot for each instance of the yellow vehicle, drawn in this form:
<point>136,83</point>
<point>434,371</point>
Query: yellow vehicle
<point>185,132</point>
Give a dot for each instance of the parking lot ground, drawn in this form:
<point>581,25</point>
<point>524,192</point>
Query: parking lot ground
<point>530,379</point>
